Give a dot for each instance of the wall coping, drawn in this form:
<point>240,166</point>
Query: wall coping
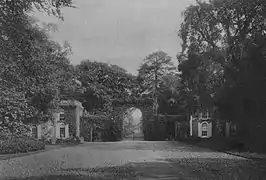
<point>74,103</point>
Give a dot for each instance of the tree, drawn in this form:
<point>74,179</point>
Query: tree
<point>154,67</point>
<point>23,7</point>
<point>32,67</point>
<point>104,85</point>
<point>214,48</point>
<point>224,56</point>
<point>38,74</point>
<point>170,101</point>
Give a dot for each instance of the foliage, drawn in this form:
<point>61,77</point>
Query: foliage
<point>98,124</point>
<point>115,126</point>
<point>108,91</point>
<point>20,145</point>
<point>103,85</point>
<point>216,39</point>
<point>10,129</point>
<point>128,122</point>
<point>71,140</point>
<point>18,8</point>
<point>32,67</point>
<point>222,63</point>
<point>170,101</point>
<point>154,67</point>
<point>155,128</point>
<point>47,130</point>
<point>35,90</point>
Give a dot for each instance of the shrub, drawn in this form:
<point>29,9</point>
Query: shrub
<point>46,141</point>
<point>101,123</point>
<point>20,145</point>
<point>4,133</point>
<point>71,140</point>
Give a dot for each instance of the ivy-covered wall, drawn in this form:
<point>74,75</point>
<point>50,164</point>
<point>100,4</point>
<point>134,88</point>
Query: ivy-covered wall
<point>154,129</point>
<point>108,127</point>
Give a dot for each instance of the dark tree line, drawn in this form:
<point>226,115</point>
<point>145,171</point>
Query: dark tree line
<point>222,63</point>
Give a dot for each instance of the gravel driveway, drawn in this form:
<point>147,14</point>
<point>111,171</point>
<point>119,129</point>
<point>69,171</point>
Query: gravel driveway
<point>131,160</point>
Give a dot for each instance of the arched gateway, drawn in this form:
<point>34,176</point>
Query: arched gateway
<point>134,115</point>
<point>133,125</point>
<point>150,127</point>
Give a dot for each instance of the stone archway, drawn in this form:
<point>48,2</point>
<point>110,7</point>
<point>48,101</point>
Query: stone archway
<point>145,106</point>
<point>133,125</point>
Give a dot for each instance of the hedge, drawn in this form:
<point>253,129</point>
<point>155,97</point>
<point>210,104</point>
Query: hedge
<point>70,140</point>
<point>20,145</point>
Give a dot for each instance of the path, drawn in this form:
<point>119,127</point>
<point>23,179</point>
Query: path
<point>131,160</point>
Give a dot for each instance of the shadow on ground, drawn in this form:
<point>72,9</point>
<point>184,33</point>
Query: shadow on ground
<point>147,145</point>
<point>169,169</point>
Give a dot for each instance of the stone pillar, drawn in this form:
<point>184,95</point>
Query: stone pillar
<point>199,128</point>
<point>176,126</point>
<point>77,118</point>
<point>227,129</point>
<point>191,125</point>
<point>209,129</point>
<point>78,114</point>
<point>91,133</point>
<point>67,131</point>
<point>55,119</point>
<point>39,132</point>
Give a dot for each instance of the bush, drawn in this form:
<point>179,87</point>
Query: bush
<point>46,141</point>
<point>20,145</point>
<point>71,140</point>
<point>101,123</point>
<point>192,140</point>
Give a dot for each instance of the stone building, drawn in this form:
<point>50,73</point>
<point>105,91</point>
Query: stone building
<point>65,121</point>
<point>201,125</point>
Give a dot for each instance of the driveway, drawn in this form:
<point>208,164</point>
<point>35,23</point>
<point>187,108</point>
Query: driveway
<point>131,160</point>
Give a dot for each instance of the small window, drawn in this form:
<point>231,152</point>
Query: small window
<point>204,129</point>
<point>204,133</point>
<point>62,132</point>
<point>205,114</point>
<point>62,117</point>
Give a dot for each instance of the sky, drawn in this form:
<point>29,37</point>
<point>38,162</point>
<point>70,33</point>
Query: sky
<point>121,32</point>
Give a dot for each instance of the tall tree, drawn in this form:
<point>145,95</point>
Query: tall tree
<point>31,66</point>
<point>215,35</point>
<point>104,84</point>
<point>154,67</point>
<point>223,55</point>
<point>170,101</point>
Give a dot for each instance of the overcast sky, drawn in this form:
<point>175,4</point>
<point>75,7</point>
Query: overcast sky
<point>120,32</point>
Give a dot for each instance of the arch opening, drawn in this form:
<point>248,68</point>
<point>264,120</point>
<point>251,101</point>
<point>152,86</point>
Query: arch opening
<point>133,125</point>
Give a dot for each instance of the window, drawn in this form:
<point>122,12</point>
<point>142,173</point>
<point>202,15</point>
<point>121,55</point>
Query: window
<point>62,117</point>
<point>204,129</point>
<point>204,133</point>
<point>205,114</point>
<point>62,132</point>
<point>34,131</point>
